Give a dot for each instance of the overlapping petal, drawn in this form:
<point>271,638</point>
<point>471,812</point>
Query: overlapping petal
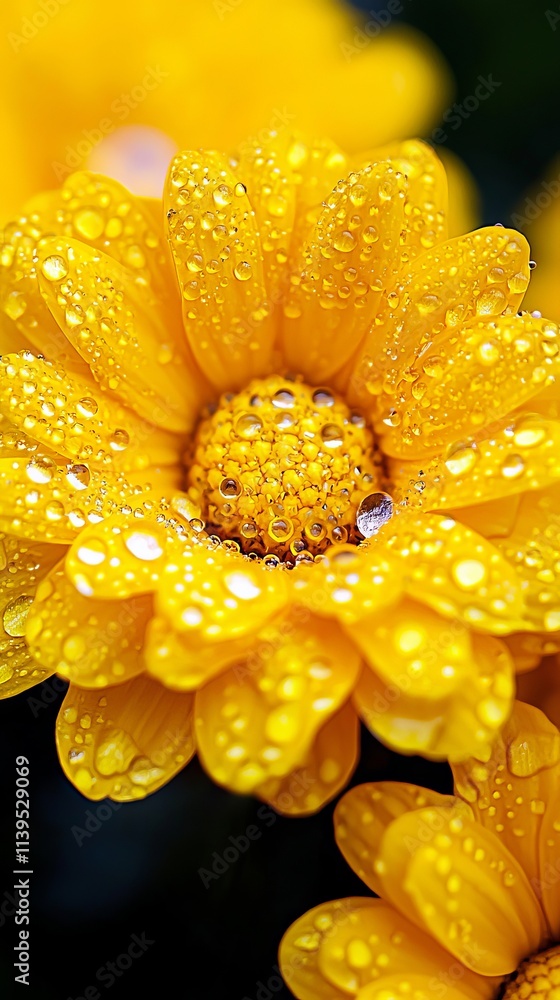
<point>259,719</point>
<point>127,742</point>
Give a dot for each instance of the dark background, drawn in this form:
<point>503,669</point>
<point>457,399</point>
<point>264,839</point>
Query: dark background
<point>139,871</point>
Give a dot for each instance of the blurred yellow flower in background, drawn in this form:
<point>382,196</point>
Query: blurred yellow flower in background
<point>469,905</point>
<point>539,218</point>
<point>197,74</point>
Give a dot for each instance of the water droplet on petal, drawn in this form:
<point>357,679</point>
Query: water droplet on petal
<point>374,511</point>
<point>54,268</point>
<point>15,615</point>
<point>243,271</point>
<point>143,545</point>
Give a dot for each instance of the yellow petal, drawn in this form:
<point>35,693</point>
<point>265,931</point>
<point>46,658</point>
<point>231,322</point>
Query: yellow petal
<point>464,386</point>
<point>23,566</point>
<point>78,420</point>
<point>121,556</point>
<point>266,170</point>
<point>426,193</point>
<point>494,519</point>
<point>348,583</point>
<point>464,723</point>
<point>259,719</point>
<point>340,272</point>
<point>454,571</point>
<point>101,213</point>
<point>364,813</point>
<point>527,649</point>
<point>481,274</point>
<point>211,594</point>
<point>126,743</point>
<point>49,499</point>
<point>515,794</point>
<point>90,643</point>
<point>115,323</point>
<point>521,453</point>
<point>326,770</point>
<point>219,261</point>
<point>455,879</point>
<point>300,948</point>
<point>26,320</point>
<point>348,945</point>
<point>316,166</point>
<point>184,661</point>
<point>415,649</point>
<point>421,986</point>
<point>533,550</point>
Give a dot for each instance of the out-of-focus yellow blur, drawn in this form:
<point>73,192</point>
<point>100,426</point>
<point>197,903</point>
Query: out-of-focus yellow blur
<point>539,218</point>
<point>204,73</point>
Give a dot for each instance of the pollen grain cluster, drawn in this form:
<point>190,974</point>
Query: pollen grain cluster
<point>281,468</point>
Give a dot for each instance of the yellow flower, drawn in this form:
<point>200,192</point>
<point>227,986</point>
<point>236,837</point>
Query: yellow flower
<point>539,216</point>
<point>468,884</point>
<point>200,74</point>
<point>186,478</point>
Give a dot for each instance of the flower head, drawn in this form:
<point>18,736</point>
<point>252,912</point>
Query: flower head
<point>233,68</point>
<point>275,455</point>
<point>468,884</point>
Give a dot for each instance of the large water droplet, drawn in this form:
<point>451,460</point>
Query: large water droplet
<point>15,615</point>
<point>374,511</point>
<point>144,546</point>
<point>54,268</point>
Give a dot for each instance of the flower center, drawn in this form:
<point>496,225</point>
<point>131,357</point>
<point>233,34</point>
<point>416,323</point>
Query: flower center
<point>285,469</point>
<point>538,977</point>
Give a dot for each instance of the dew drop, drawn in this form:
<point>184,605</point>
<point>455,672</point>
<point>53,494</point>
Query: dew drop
<point>230,488</point>
<point>78,476</point>
<point>513,467</point>
<point>374,511</point>
<point>92,552</point>
<point>119,440</point>
<point>89,223</point>
<point>242,586</point>
<point>322,397</point>
<point>243,271</point>
<point>332,435</point>
<point>15,615</point>
<point>283,398</point>
<point>344,242</point>
<point>468,573</point>
<point>529,432</point>
<point>143,546</point>
<point>248,425</point>
<point>280,529</point>
<point>54,268</point>
<point>461,458</point>
<point>87,407</point>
